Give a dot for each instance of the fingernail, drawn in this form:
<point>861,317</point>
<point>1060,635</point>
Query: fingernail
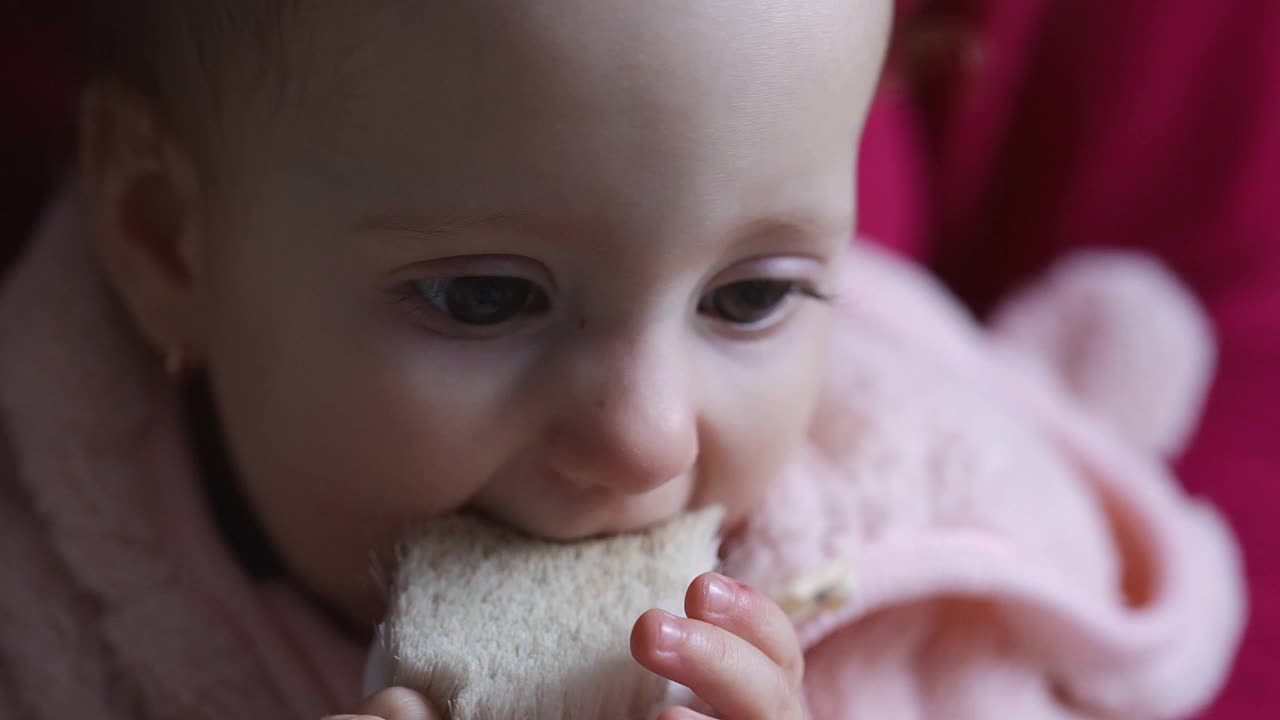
<point>719,595</point>
<point>670,634</point>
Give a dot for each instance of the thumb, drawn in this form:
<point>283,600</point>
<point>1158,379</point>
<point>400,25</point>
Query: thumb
<point>395,703</point>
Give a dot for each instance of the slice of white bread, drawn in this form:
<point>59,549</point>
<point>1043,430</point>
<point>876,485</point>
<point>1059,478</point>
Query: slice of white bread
<point>492,625</point>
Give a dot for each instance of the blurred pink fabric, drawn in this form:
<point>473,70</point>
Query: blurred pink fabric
<point>1034,127</point>
<point>1019,547</point>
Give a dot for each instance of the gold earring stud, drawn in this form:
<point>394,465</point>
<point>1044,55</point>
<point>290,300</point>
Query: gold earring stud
<point>175,362</point>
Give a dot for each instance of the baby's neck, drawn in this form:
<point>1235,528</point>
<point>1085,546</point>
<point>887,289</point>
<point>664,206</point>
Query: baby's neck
<point>232,513</point>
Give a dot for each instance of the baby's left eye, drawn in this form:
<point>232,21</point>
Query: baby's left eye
<point>748,301</point>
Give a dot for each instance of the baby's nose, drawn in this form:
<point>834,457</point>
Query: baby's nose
<point>628,418</point>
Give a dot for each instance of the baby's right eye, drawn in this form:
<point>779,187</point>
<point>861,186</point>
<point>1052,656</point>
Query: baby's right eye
<point>482,300</point>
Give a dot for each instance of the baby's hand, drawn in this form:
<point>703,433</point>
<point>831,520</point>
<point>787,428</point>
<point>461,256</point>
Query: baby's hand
<point>737,650</point>
<point>394,703</point>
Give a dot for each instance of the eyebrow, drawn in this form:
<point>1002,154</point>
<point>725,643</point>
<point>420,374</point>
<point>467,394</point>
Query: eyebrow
<point>455,222</point>
<point>802,225</point>
<point>798,225</point>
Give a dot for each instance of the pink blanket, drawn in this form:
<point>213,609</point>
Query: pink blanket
<point>1019,546</point>
<point>1021,549</point>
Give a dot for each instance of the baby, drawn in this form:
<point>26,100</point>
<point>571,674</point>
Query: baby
<point>566,263</point>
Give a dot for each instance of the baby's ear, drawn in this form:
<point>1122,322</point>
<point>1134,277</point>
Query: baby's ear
<point>1126,339</point>
<point>143,204</point>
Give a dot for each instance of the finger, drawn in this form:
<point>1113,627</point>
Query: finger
<point>683,713</point>
<point>729,673</point>
<point>749,614</point>
<point>396,703</point>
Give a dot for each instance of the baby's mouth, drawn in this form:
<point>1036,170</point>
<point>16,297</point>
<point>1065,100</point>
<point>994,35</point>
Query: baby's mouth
<point>593,513</point>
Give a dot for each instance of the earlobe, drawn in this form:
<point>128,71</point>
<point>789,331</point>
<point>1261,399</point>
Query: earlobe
<point>143,202</point>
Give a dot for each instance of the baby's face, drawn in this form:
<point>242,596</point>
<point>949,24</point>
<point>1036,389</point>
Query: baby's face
<point>552,261</point>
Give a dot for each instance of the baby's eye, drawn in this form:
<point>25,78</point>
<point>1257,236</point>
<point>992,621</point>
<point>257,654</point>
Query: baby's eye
<point>482,300</point>
<point>748,301</point>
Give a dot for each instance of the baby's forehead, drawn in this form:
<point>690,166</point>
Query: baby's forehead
<point>578,103</point>
<point>681,44</point>
<point>608,63</point>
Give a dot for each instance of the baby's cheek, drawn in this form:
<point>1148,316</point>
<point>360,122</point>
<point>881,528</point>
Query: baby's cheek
<point>339,472</point>
<point>394,466</point>
<point>754,435</point>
